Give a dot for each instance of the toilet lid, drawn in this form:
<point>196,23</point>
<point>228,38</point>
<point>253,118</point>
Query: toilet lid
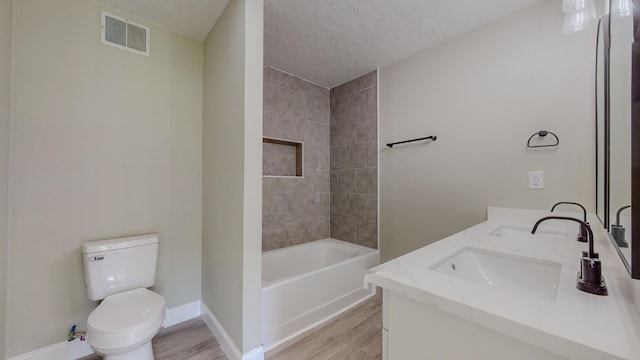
<point>127,311</point>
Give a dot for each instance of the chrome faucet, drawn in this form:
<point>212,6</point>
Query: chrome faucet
<point>582,235</point>
<point>590,276</point>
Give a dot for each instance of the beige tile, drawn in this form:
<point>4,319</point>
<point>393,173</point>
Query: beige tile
<point>346,181</point>
<point>318,105</point>
<point>282,159</point>
<point>338,118</point>
<point>292,208</point>
<point>334,181</point>
<point>356,155</point>
<point>278,78</point>
<point>372,208</point>
<point>302,184</point>
<point>321,180</point>
<point>277,185</point>
<point>362,103</point>
<point>300,233</point>
<point>343,133</point>
<point>338,157</point>
<point>334,135</point>
<point>268,160</point>
<point>339,106</point>
<point>275,238</point>
<point>371,155</point>
<point>358,206</point>
<point>366,81</point>
<point>319,228</point>
<point>316,205</point>
<point>341,90</point>
<point>368,234</point>
<point>367,181</point>
<point>344,228</point>
<point>367,128</point>
<point>316,133</point>
<point>271,207</point>
<point>316,157</point>
<point>282,125</point>
<point>343,207</point>
<point>363,82</point>
<point>333,208</point>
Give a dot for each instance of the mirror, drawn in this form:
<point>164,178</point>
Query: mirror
<point>619,132</point>
<point>621,39</point>
<point>601,193</point>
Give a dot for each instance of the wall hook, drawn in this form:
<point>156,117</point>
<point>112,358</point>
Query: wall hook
<point>543,133</point>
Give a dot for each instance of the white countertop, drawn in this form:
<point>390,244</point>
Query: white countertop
<point>575,325</point>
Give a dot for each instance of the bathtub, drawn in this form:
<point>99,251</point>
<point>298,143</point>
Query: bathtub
<point>307,284</point>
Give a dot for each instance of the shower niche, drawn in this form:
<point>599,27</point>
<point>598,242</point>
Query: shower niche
<point>282,158</point>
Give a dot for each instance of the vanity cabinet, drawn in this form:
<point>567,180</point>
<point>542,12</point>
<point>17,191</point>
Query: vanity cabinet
<point>412,327</point>
<point>463,297</point>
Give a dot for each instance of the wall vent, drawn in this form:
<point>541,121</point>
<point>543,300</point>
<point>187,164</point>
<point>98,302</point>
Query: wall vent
<point>125,34</point>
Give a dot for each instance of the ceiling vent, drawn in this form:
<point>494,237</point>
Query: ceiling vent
<point>124,34</point>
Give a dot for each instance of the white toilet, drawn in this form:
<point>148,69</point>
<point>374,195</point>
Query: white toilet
<point>119,271</point>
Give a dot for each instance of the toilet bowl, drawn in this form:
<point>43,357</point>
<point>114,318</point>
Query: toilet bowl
<point>122,326</point>
<point>117,272</point>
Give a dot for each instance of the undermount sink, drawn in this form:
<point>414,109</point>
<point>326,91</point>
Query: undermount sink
<point>515,233</point>
<point>521,275</point>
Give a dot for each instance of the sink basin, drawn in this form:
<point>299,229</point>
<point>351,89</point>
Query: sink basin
<point>515,233</point>
<point>521,275</point>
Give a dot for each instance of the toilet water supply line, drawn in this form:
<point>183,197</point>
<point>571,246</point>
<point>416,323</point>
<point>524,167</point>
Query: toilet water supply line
<point>73,334</point>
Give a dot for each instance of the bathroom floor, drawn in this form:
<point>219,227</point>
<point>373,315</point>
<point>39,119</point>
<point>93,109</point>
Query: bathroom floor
<point>190,340</point>
<point>354,335</point>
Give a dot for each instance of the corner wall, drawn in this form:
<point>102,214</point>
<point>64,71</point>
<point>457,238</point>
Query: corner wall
<point>6,35</point>
<point>354,161</point>
<point>483,94</point>
<point>232,172</point>
<point>104,143</point>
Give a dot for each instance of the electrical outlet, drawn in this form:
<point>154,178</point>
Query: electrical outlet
<point>536,180</point>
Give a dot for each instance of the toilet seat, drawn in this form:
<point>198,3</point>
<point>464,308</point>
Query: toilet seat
<point>125,320</point>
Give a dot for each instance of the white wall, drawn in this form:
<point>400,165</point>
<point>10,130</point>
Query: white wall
<point>232,165</point>
<point>5,113</point>
<point>483,94</point>
<point>105,143</point>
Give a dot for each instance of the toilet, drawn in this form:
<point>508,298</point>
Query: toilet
<point>118,272</point>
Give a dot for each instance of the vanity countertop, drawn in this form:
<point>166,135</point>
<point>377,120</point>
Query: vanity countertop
<point>575,325</point>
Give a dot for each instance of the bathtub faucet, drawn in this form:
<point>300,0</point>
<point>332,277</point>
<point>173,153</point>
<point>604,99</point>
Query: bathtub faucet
<point>590,276</point>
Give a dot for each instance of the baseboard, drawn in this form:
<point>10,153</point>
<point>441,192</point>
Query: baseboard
<point>181,313</point>
<point>66,350</point>
<point>255,354</point>
<point>226,343</point>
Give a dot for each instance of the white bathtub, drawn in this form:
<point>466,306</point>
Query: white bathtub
<point>307,284</point>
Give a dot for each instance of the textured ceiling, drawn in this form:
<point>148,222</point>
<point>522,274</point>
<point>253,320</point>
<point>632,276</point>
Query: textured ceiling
<point>333,41</point>
<point>193,18</point>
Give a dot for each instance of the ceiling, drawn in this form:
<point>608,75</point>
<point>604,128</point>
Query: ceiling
<point>330,42</point>
<point>193,18</point>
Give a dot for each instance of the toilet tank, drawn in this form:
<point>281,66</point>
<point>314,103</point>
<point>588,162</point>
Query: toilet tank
<point>116,265</point>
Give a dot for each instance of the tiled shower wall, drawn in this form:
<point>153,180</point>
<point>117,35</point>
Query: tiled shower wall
<point>295,210</point>
<point>337,196</point>
<point>354,161</point>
